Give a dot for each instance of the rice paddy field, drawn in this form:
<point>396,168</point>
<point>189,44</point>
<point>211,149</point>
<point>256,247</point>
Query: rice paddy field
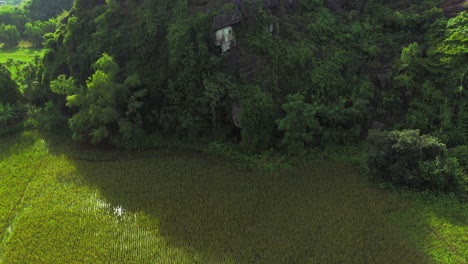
<point>19,54</point>
<point>64,203</point>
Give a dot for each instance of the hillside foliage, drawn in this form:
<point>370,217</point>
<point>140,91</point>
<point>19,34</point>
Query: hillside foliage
<point>305,75</point>
<point>404,66</point>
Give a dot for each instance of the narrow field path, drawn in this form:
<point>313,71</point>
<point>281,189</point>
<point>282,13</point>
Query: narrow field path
<point>16,178</point>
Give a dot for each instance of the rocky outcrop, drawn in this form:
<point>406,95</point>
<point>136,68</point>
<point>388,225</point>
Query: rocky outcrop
<point>336,4</point>
<point>292,6</point>
<point>223,35</point>
<point>199,2</point>
<point>453,7</point>
<point>377,125</point>
<point>245,9</point>
<point>88,4</point>
<point>236,111</point>
<point>227,20</point>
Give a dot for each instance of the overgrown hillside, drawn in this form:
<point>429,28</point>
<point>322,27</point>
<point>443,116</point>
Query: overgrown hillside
<point>124,107</point>
<point>45,9</point>
<point>344,64</point>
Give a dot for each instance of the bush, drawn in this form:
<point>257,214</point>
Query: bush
<point>12,130</point>
<point>35,31</point>
<point>8,115</point>
<point>445,175</point>
<point>51,119</point>
<point>257,121</point>
<point>9,35</point>
<point>9,93</point>
<point>407,158</point>
<point>342,123</point>
<point>461,154</point>
<point>299,126</point>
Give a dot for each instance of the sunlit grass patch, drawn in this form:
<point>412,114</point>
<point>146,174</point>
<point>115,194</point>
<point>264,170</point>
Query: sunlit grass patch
<point>61,220</point>
<point>19,54</point>
<point>437,224</point>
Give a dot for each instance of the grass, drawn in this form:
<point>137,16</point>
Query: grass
<point>19,54</point>
<point>439,224</point>
<point>66,203</point>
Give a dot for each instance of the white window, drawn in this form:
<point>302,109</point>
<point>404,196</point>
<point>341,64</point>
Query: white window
<point>224,38</point>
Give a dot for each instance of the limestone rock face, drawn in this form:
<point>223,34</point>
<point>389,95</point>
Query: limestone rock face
<point>377,125</point>
<point>227,20</point>
<point>223,35</point>
<point>292,5</point>
<point>336,4</point>
<point>89,4</point>
<point>236,111</point>
<point>453,7</point>
<point>199,2</point>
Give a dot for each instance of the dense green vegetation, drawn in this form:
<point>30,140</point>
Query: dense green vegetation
<point>69,203</point>
<point>303,91</point>
<point>44,9</point>
<point>31,21</point>
<point>336,79</point>
<point>301,86</point>
<point>407,158</point>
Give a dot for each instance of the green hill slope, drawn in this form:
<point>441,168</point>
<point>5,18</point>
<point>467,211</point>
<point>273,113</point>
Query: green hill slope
<point>188,63</point>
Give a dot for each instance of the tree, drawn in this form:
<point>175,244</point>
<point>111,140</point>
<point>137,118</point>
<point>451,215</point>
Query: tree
<point>106,110</point>
<point>45,9</point>
<point>8,114</point>
<point>35,31</point>
<point>436,83</point>
<point>257,120</point>
<point>454,50</point>
<point>9,35</point>
<point>456,42</point>
<point>9,93</point>
<point>10,15</point>
<point>419,161</point>
<point>300,126</point>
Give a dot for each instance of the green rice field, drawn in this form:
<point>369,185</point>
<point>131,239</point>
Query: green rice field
<point>61,202</point>
<point>19,54</point>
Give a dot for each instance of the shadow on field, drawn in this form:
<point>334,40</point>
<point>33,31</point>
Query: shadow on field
<point>193,207</point>
<point>198,202</point>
